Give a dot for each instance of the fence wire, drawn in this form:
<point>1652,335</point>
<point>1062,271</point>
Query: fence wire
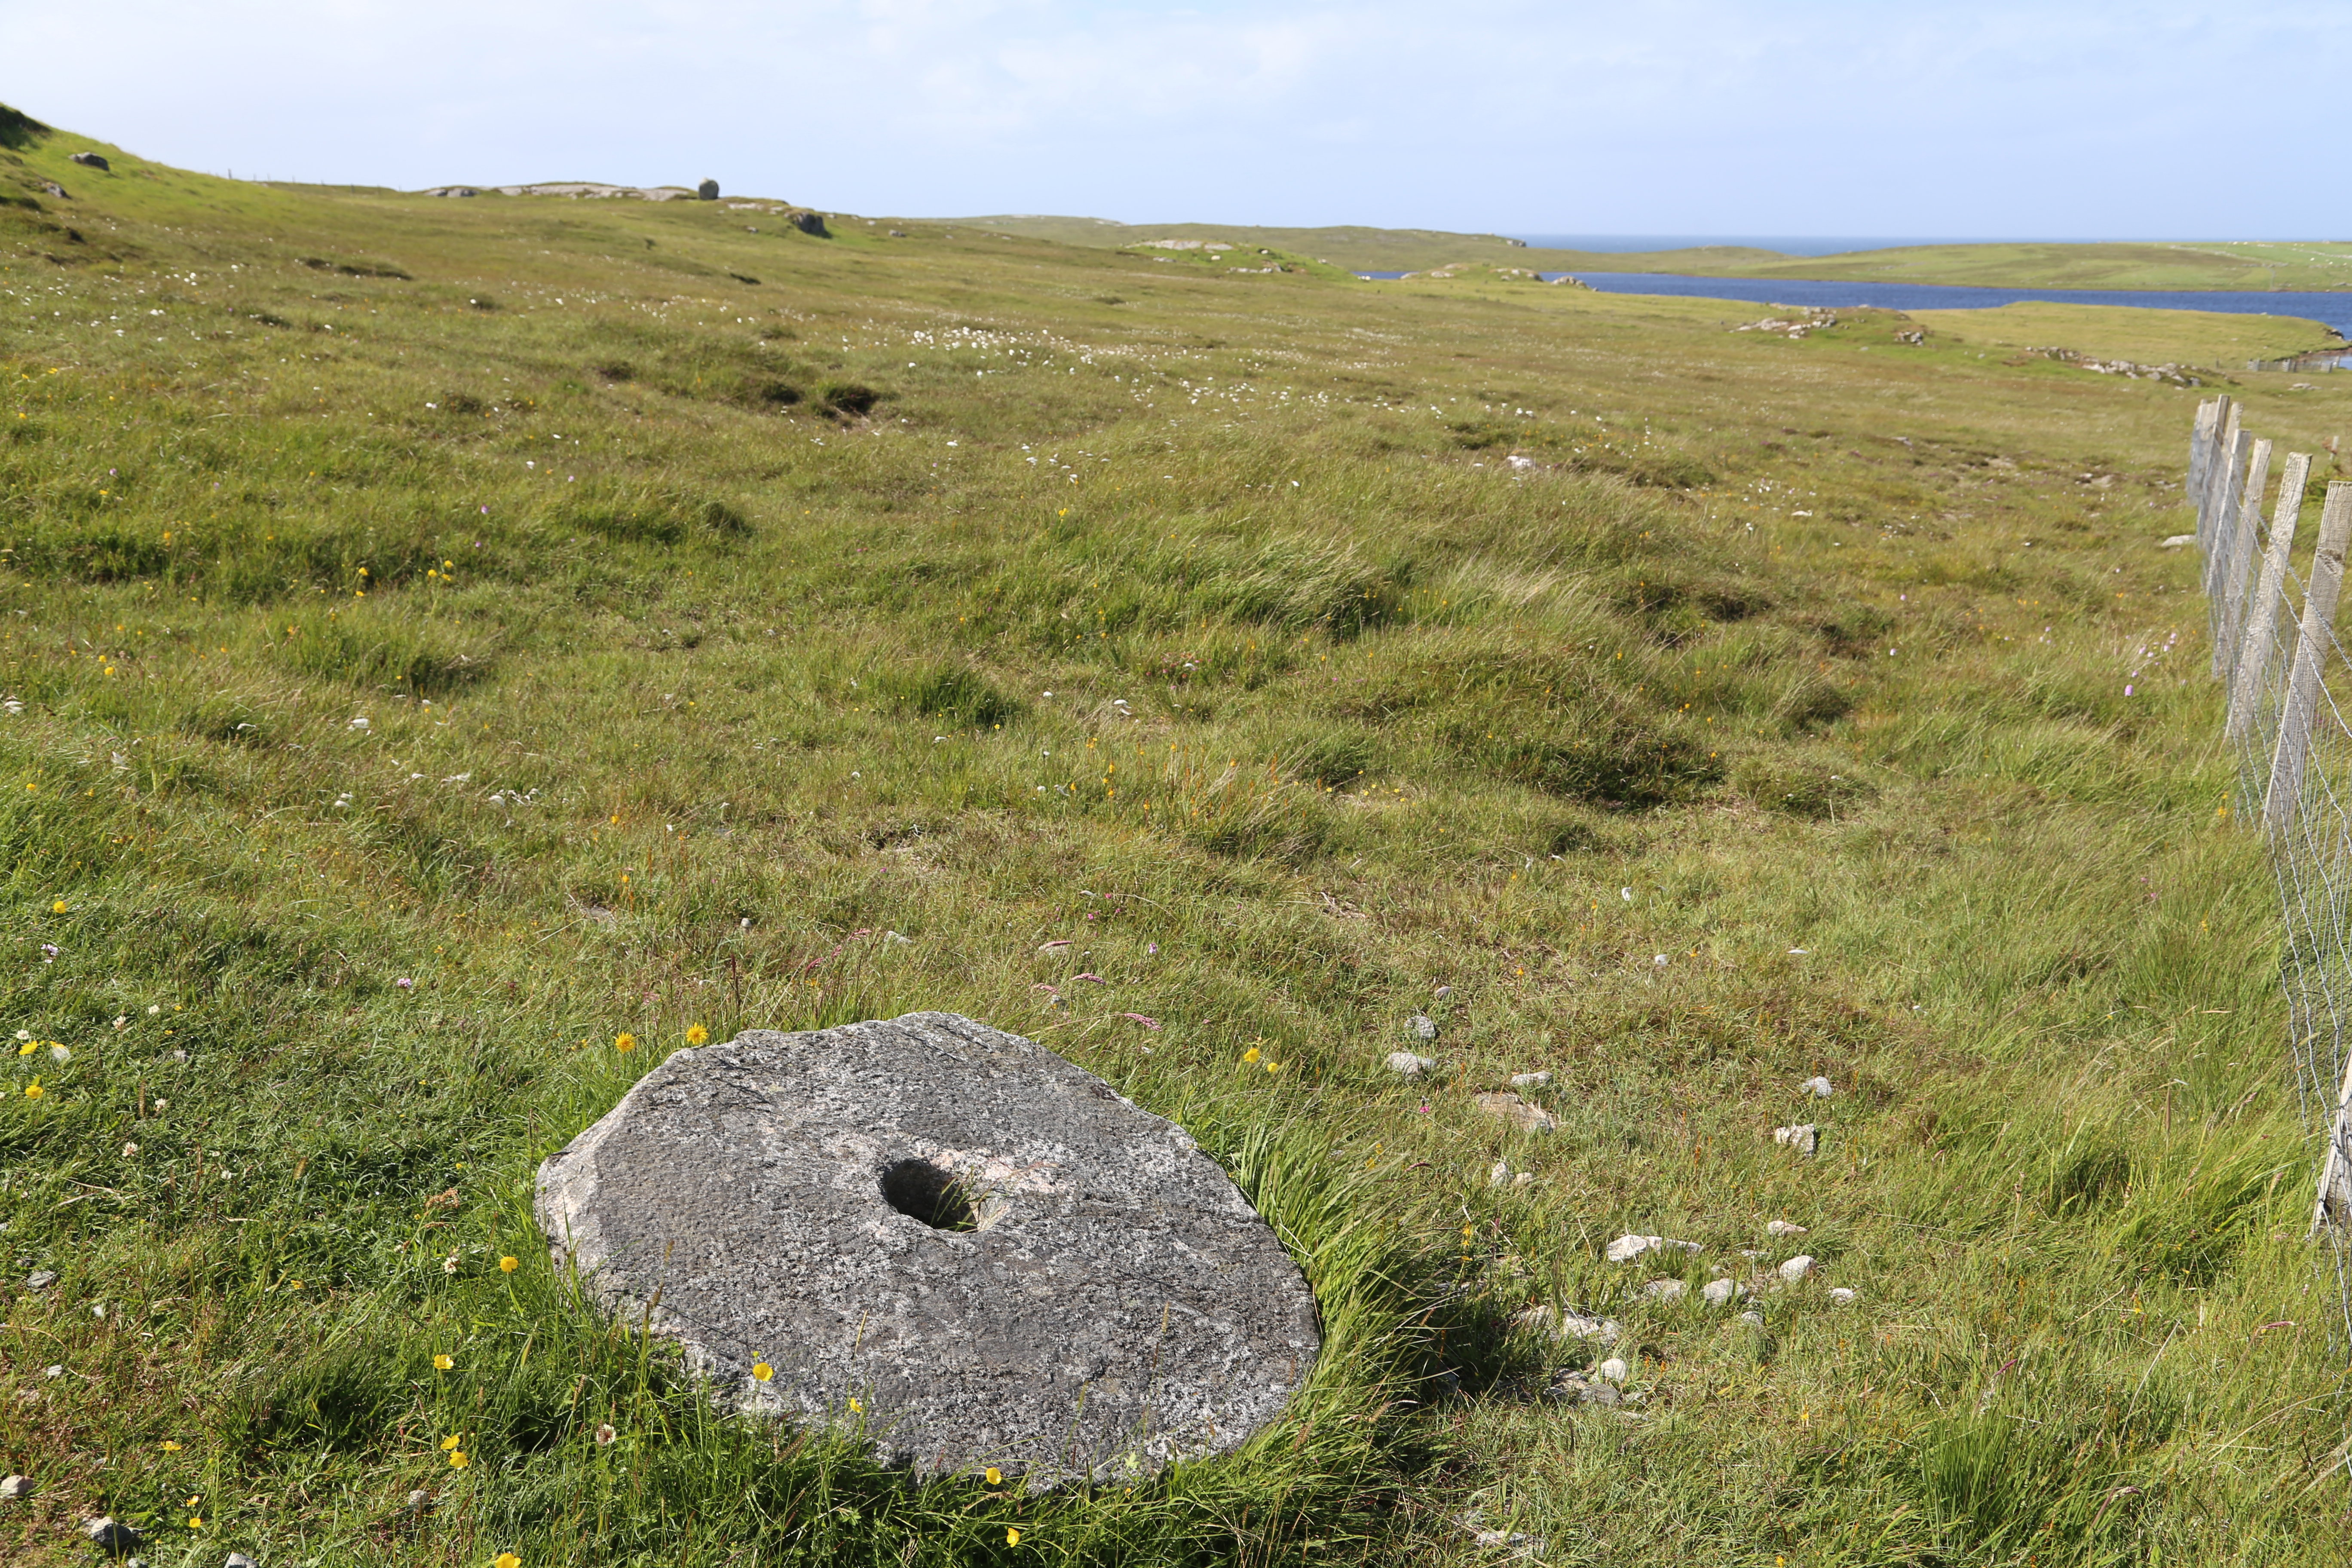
<point>2293,752</point>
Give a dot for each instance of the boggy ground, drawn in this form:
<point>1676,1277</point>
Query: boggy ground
<point>446,639</point>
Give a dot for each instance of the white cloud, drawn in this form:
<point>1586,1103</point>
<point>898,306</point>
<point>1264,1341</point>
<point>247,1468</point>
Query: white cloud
<point>1688,116</point>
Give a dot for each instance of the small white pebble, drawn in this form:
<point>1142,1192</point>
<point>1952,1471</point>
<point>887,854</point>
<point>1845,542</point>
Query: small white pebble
<point>1819,1088</point>
<point>1842,1295</point>
<point>1796,1267</point>
<point>1782,1228</point>
<point>1613,1370</point>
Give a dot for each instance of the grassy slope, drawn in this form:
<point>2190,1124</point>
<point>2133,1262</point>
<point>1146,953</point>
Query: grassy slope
<point>2301,264</point>
<point>1816,645</point>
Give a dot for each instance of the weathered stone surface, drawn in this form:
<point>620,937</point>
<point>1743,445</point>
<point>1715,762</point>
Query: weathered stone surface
<point>92,161</point>
<point>109,1535</point>
<point>17,1486</point>
<point>1410,1065</point>
<point>1510,1108</point>
<point>1804,1137</point>
<point>807,222</point>
<point>1111,1301</point>
<point>1421,1027</point>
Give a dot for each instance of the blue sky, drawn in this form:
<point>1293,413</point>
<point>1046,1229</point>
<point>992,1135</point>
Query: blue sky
<point>1684,117</point>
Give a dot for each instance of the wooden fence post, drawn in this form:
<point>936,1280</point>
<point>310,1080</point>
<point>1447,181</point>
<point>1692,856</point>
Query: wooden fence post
<point>2201,444</point>
<point>2238,559</point>
<point>2284,797</point>
<point>2227,479</point>
<point>2217,453</point>
<point>2260,617</point>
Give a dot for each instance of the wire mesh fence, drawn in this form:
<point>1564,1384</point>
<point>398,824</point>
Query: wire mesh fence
<point>2274,645</point>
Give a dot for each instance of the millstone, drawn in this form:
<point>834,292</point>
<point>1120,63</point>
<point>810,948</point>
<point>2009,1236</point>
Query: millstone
<point>944,1238</point>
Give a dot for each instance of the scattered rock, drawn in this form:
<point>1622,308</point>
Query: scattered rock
<point>1804,1137</point>
<point>1842,1295</point>
<point>107,1535</point>
<point>54,1371</point>
<point>1518,462</point>
<point>897,234</point>
<point>2175,542</point>
<point>1421,1027</point>
<point>239,1560</point>
<point>1782,1228</point>
<point>1611,1371</point>
<point>953,1224</point>
<point>1531,1081</point>
<point>1626,1248</point>
<point>92,161</point>
<point>1665,1289</point>
<point>1575,1387</point>
<point>454,191</point>
<point>708,191</point>
<point>808,223</point>
<point>42,1279</point>
<point>1752,1317</point>
<point>15,1485</point>
<point>1409,1065</point>
<point>1510,1108</point>
<point>1571,1324</point>
<point>1721,1292</point>
<point>1819,1088</point>
<point>1796,1267</point>
<point>419,1500</point>
<point>1499,1174</point>
<point>55,190</point>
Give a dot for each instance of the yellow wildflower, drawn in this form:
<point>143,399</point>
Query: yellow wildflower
<point>856,1408</point>
<point>28,1047</point>
<point>509,1264</point>
<point>59,908</point>
<point>1250,1055</point>
<point>627,1042</point>
<point>34,1090</point>
<point>170,1447</point>
<point>995,1476</point>
<point>506,1560</point>
<point>457,1460</point>
<point>442,1363</point>
<point>696,1034</point>
<point>1012,1537</point>
<point>761,1371</point>
<point>450,1442</point>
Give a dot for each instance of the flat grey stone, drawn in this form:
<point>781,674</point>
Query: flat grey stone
<point>17,1486</point>
<point>1796,1267</point>
<point>1407,1065</point>
<point>111,1536</point>
<point>1530,1081</point>
<point>1665,1289</point>
<point>1627,1247</point>
<point>1716,1292</point>
<point>1109,1303</point>
<point>1510,1108</point>
<point>42,1279</point>
<point>1421,1027</point>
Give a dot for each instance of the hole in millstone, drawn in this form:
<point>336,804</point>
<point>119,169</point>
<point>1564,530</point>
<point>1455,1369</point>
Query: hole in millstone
<point>937,1196</point>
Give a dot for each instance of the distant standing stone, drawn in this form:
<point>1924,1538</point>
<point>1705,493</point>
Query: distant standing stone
<point>1409,1065</point>
<point>812,223</point>
<point>93,159</point>
<point>1421,1027</point>
<point>708,191</point>
<point>1001,1259</point>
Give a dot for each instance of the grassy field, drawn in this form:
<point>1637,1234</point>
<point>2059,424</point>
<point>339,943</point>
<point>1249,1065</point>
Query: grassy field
<point>440,637</point>
<point>2231,264</point>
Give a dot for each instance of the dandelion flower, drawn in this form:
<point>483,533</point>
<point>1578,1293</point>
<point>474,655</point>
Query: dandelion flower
<point>761,1371</point>
<point>995,1476</point>
<point>457,1460</point>
<point>1012,1537</point>
<point>697,1035</point>
<point>442,1363</point>
<point>450,1444</point>
<point>606,1435</point>
<point>627,1042</point>
<point>506,1560</point>
<point>509,1264</point>
<point>34,1090</point>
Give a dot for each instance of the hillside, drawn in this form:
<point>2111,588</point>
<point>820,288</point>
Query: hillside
<point>2203,265</point>
<point>458,652</point>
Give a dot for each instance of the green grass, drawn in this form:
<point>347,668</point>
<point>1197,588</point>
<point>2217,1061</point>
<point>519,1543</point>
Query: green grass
<point>1200,619</point>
